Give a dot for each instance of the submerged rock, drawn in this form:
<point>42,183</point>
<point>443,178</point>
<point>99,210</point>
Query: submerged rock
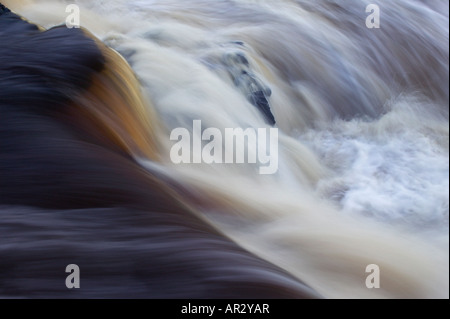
<point>256,92</point>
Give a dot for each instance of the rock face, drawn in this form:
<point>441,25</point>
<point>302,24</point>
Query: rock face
<point>71,192</point>
<point>255,91</point>
<point>3,9</point>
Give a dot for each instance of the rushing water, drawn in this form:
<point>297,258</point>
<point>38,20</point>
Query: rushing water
<point>363,121</point>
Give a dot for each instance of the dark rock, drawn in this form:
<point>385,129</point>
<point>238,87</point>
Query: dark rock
<point>256,92</point>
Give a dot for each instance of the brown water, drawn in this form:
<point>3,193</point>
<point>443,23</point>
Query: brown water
<point>362,116</point>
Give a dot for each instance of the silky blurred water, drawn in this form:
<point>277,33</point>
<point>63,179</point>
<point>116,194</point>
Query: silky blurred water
<point>363,127</point>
